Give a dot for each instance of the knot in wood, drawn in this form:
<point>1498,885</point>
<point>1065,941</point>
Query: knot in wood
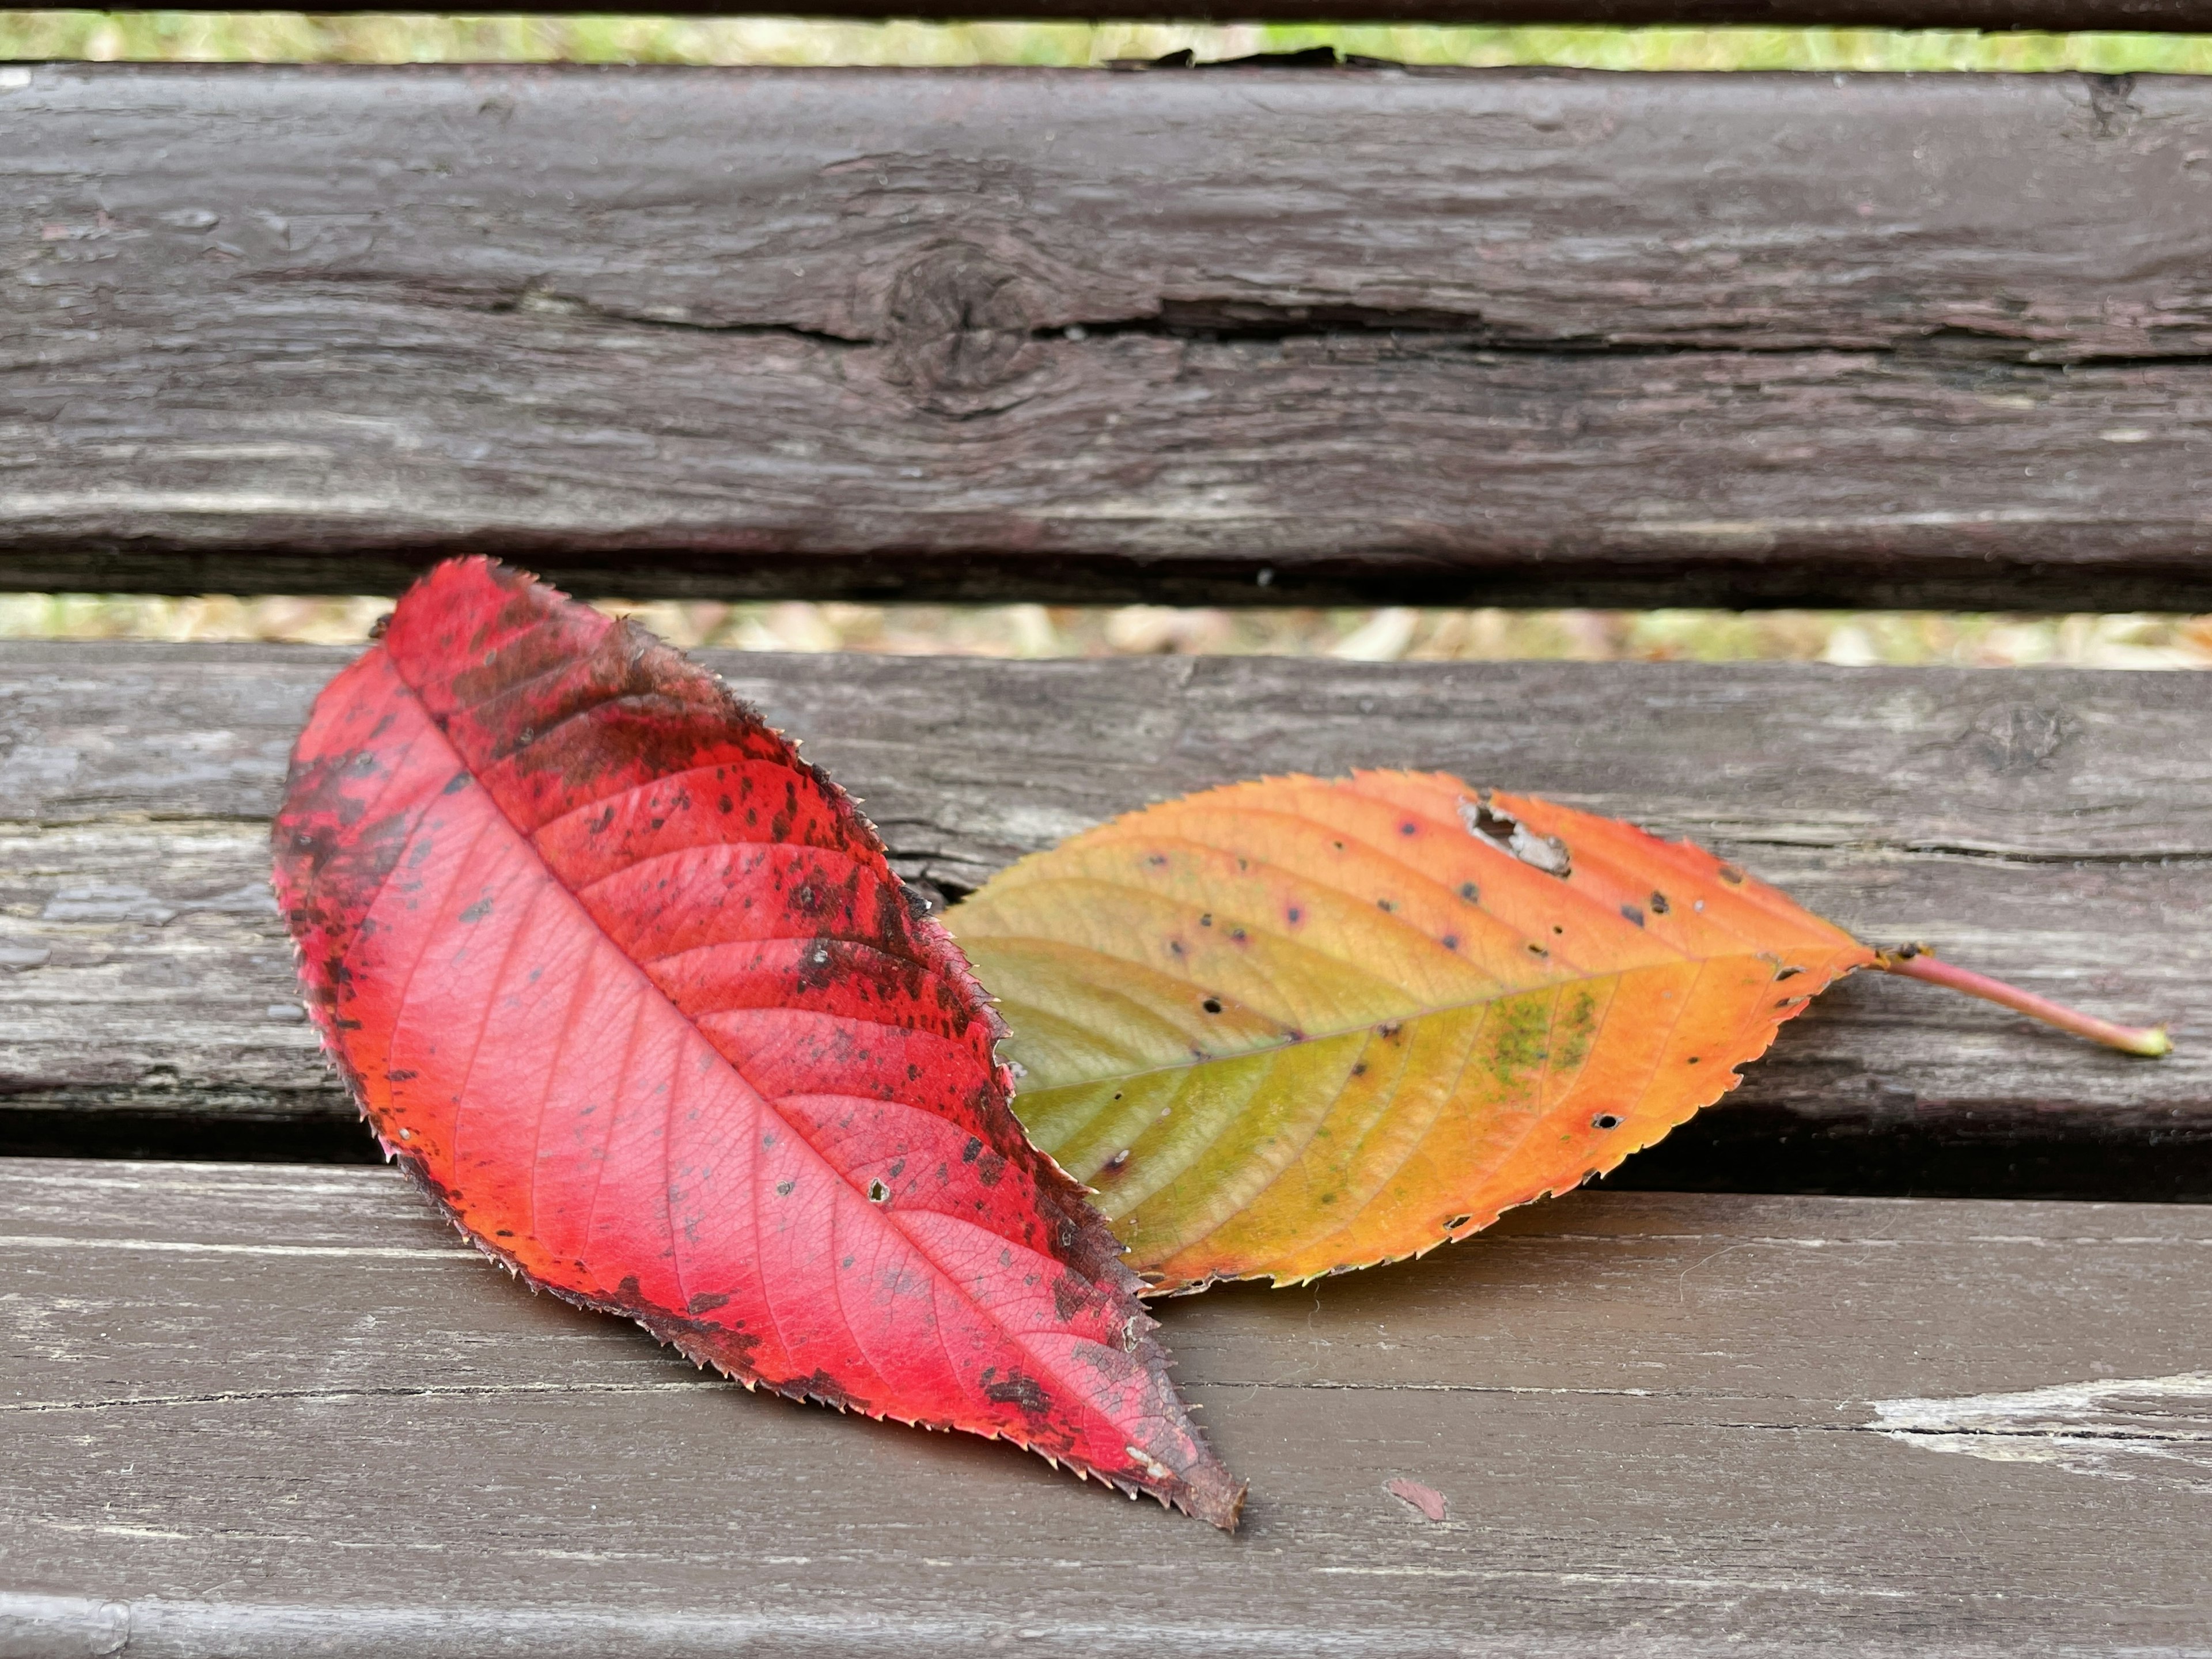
<point>2020,737</point>
<point>959,331</point>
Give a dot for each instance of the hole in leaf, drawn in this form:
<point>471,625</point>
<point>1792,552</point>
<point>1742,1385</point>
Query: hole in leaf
<point>1605,1121</point>
<point>1211,1005</point>
<point>878,1193</point>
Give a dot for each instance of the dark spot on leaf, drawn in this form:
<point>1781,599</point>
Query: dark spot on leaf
<point>783,1189</point>
<point>1470,892</point>
<point>1384,904</point>
<point>1659,906</point>
<point>1070,1296</point>
<point>975,1147</point>
<point>1405,830</point>
<point>1731,875</point>
<point>455,784</point>
<point>1452,941</point>
<point>1114,1164</point>
<point>707,1301</point>
<point>1633,914</point>
<point>990,1168</point>
<point>478,911</point>
<point>1019,1389</point>
<point>1206,920</point>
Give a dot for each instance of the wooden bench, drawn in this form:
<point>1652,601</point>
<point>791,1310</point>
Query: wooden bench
<point>1890,1383</point>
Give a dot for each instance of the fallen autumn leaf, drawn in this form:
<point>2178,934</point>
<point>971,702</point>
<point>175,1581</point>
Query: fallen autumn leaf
<point>630,991</point>
<point>1290,1027</point>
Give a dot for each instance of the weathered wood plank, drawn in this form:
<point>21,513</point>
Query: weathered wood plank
<point>2053,827</point>
<point>1518,336</point>
<point>248,1405</point>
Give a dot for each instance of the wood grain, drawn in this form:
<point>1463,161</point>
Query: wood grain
<point>2051,827</point>
<point>1515,335</point>
<point>259,1411</point>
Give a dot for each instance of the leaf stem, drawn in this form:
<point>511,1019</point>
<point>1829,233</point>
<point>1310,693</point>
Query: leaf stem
<point>1918,961</point>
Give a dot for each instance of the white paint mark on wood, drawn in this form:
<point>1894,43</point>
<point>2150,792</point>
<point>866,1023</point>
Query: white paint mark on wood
<point>2158,1428</point>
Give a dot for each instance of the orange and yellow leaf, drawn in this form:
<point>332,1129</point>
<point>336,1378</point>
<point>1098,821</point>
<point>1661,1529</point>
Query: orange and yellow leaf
<point>1297,1025</point>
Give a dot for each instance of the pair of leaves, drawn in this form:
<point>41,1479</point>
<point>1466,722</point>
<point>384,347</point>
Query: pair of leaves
<point>631,991</point>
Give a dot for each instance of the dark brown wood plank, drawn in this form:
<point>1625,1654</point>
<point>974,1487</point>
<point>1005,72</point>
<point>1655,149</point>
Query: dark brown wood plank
<point>1510,335</point>
<point>245,1408</point>
<point>2049,826</point>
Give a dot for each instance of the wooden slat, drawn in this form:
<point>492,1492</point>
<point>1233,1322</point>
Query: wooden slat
<point>2052,827</point>
<point>1512,336</point>
<point>266,1411</point>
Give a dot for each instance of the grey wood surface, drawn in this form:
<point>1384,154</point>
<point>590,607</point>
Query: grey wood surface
<point>253,1410</point>
<point>2051,827</point>
<point>1526,336</point>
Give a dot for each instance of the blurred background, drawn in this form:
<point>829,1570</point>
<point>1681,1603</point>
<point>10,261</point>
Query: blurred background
<point>2135,641</point>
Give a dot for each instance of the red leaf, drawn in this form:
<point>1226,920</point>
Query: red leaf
<point>629,988</point>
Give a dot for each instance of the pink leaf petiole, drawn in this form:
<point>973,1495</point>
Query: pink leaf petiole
<point>1918,961</point>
